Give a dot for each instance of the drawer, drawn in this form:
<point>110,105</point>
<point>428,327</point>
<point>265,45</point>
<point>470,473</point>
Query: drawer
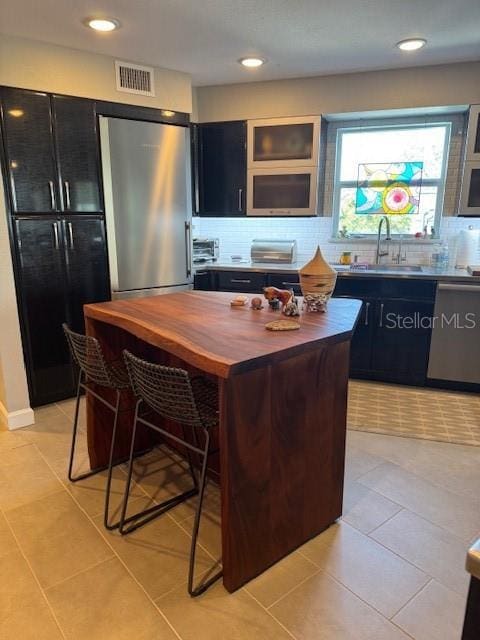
<point>285,281</point>
<point>396,288</point>
<point>244,281</point>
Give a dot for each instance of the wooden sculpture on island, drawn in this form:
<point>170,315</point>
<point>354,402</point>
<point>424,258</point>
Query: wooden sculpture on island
<point>286,298</point>
<point>317,281</point>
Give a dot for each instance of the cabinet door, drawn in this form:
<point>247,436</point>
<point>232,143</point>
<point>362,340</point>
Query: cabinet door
<point>401,340</point>
<point>202,281</point>
<point>77,154</point>
<point>30,151</point>
<point>222,166</point>
<point>242,281</point>
<point>87,266</point>
<point>43,309</point>
<point>361,344</point>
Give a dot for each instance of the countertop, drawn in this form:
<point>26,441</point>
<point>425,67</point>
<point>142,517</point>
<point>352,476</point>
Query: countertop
<point>426,273</point>
<point>204,330</point>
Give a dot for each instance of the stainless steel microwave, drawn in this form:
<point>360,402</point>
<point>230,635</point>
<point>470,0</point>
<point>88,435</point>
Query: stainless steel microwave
<point>282,192</point>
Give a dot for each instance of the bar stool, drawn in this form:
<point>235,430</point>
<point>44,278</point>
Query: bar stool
<point>93,368</point>
<point>192,403</point>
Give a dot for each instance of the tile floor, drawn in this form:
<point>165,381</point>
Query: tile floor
<point>391,569</point>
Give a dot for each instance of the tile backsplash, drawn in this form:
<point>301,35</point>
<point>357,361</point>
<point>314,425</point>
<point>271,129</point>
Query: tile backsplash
<point>236,235</point>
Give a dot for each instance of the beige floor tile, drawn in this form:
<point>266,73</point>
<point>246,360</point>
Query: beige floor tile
<point>25,481</point>
<point>157,554</point>
<point>432,549</point>
<point>365,509</point>
<point>322,609</point>
<point>218,615</point>
<point>13,439</point>
<point>457,514</point>
<point>105,603</point>
<point>90,492</point>
<point>24,613</point>
<point>210,532</point>
<point>57,538</point>
<point>358,462</point>
<point>285,575</point>
<point>374,574</point>
<point>7,541</point>
<point>436,613</point>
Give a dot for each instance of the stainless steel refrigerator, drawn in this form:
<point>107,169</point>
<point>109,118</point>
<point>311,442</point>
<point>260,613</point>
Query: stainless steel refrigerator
<point>147,185</point>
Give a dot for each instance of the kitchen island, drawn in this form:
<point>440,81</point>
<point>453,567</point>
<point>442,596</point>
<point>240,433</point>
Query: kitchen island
<point>283,403</point>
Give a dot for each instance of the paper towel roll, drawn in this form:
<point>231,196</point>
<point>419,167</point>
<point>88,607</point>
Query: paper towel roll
<point>467,248</point>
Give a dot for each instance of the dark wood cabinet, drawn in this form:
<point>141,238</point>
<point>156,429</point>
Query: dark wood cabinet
<point>391,341</point>
<point>30,151</point>
<point>241,281</point>
<point>77,154</point>
<point>221,157</point>
<point>62,265</point>
<point>86,266</point>
<point>52,153</point>
<point>43,309</point>
<point>204,281</point>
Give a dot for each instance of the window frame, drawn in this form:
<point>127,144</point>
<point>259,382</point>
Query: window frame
<point>440,183</point>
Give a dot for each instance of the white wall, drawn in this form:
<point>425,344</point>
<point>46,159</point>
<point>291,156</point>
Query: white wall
<point>14,402</point>
<point>441,85</point>
<point>30,64</point>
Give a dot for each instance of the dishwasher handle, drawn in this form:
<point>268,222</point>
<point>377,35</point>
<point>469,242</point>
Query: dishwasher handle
<point>470,288</point>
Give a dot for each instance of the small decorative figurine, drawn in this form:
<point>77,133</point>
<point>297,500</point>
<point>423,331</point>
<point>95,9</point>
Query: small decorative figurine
<point>315,302</point>
<point>274,304</point>
<point>239,301</point>
<point>285,297</point>
<point>291,308</point>
<point>256,303</point>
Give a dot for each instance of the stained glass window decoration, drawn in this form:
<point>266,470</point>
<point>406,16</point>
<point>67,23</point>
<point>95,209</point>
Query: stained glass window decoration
<point>389,188</point>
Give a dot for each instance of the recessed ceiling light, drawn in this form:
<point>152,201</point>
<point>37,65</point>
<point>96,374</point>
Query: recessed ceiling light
<point>252,63</point>
<point>16,113</point>
<point>412,44</point>
<point>167,113</point>
<point>102,24</point>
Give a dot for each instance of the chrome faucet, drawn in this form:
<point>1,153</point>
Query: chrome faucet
<point>379,254</point>
<point>401,255</point>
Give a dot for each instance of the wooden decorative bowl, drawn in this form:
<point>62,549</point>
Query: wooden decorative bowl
<point>317,276</point>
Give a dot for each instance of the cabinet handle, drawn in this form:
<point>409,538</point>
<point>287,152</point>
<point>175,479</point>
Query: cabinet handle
<point>367,309</point>
<point>55,235</point>
<point>290,284</point>
<point>188,256</point>
<point>235,281</point>
<point>381,314</point>
<point>52,195</point>
<point>240,194</point>
<point>70,234</point>
<point>201,273</point>
<point>67,193</point>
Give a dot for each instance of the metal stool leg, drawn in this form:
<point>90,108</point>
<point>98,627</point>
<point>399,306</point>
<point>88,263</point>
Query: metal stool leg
<point>142,517</point>
<point>110,468</point>
<point>193,548</point>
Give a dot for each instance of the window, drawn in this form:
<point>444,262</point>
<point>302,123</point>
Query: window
<point>426,142</point>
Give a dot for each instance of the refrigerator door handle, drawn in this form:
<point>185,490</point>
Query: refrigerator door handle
<point>188,243</point>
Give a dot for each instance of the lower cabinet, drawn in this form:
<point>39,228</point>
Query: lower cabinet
<point>392,338</point>
<point>241,281</point>
<point>61,265</point>
<point>203,280</point>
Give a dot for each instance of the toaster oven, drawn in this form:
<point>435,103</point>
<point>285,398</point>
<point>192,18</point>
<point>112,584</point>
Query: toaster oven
<point>205,250</point>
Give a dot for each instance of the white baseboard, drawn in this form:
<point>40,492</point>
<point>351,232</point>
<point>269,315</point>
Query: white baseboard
<point>16,419</point>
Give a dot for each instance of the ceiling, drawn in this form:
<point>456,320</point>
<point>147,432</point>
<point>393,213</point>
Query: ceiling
<point>205,38</point>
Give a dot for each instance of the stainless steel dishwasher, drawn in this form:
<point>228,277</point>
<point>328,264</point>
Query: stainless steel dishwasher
<point>455,344</point>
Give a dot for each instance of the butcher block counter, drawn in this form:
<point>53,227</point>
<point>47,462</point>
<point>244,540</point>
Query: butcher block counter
<point>282,413</point>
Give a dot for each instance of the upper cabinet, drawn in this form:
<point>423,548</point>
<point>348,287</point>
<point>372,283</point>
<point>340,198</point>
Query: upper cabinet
<point>30,150</point>
<point>52,153</point>
<point>283,142</point>
<point>77,154</point>
<point>470,192</point>
<point>221,170</point>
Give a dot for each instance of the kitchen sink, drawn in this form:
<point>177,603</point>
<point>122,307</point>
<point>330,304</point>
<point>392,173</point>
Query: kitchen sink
<point>408,268</point>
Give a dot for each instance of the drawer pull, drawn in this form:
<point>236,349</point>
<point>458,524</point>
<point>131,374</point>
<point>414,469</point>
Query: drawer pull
<point>367,309</point>
<point>235,281</point>
<point>290,284</point>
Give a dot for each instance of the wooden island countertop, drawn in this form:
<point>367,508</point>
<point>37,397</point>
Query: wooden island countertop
<point>203,329</point>
<point>282,410</point>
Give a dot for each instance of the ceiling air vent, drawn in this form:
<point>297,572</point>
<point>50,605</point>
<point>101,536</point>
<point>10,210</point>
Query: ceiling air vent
<point>133,78</point>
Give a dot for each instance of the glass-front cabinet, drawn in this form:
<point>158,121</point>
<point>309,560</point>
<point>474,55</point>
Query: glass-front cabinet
<point>282,142</point>
<point>286,191</point>
<point>470,193</point>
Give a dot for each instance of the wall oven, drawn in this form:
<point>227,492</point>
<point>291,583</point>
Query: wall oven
<point>286,191</point>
